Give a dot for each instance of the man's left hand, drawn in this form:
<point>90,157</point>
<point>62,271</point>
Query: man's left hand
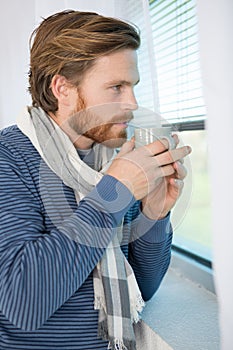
<point>157,204</point>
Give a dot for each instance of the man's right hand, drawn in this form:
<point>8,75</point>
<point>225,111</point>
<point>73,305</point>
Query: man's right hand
<point>140,169</point>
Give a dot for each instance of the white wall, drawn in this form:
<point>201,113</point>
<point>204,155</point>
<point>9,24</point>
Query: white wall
<point>18,20</point>
<point>216,41</point>
<point>15,27</point>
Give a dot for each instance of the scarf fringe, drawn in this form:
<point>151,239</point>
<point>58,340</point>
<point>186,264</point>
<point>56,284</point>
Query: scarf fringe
<point>99,303</point>
<point>137,306</point>
<point>117,344</point>
<point>103,329</point>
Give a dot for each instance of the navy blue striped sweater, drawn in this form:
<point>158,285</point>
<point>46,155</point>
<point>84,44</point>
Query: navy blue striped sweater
<point>49,247</point>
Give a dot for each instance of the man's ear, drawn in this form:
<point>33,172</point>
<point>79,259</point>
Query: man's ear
<point>62,89</point>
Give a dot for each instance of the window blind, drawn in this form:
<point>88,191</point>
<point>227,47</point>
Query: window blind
<point>175,41</point>
<point>137,12</point>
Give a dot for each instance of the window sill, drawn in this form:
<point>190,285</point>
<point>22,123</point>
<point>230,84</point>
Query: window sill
<point>183,314</point>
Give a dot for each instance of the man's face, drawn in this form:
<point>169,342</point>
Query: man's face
<point>106,100</point>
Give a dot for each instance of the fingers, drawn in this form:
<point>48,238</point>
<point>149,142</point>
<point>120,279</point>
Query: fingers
<point>140,169</point>
<point>126,148</point>
<point>160,146</point>
<point>155,148</point>
<point>176,139</point>
<point>177,186</point>
<point>180,169</point>
<point>174,155</point>
<point>164,171</point>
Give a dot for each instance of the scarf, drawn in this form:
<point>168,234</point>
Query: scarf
<point>116,293</point>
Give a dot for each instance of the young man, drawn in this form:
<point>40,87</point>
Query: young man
<point>85,234</point>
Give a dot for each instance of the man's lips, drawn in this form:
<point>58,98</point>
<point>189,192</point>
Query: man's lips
<point>122,118</point>
<point>122,124</point>
<point>122,121</point>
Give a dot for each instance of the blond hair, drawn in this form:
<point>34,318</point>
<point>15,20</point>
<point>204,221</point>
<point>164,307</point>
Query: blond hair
<point>68,43</point>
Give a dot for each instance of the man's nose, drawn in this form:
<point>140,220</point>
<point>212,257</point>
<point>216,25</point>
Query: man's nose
<point>130,102</point>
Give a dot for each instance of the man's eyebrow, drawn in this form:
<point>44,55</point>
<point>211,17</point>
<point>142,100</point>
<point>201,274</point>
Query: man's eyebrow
<point>122,82</point>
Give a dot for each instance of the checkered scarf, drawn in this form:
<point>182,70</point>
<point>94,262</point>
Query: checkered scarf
<point>117,296</point>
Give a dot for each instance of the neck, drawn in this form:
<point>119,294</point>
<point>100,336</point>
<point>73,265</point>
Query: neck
<point>79,141</point>
<point>82,142</point>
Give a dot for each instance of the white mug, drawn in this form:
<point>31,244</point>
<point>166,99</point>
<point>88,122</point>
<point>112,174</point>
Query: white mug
<point>144,136</point>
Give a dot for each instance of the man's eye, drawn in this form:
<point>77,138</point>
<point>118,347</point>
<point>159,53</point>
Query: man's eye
<point>117,88</point>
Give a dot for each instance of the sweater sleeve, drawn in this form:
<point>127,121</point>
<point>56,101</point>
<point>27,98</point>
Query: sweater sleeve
<point>150,252</point>
<point>40,269</point>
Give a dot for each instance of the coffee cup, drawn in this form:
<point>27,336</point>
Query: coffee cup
<point>144,136</point>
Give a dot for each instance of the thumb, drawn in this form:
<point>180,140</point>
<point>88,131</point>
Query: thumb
<point>177,186</point>
<point>127,147</point>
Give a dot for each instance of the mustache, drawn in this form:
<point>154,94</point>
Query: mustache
<point>126,118</point>
<point>100,117</point>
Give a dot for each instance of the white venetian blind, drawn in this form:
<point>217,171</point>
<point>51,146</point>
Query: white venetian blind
<point>175,41</point>
<point>137,12</point>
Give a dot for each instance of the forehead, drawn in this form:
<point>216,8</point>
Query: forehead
<point>120,65</point>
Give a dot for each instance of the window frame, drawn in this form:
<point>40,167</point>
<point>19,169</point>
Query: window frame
<point>182,125</point>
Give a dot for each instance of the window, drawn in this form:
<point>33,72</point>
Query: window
<point>174,27</point>
<point>175,41</point>
<point>170,83</point>
<point>192,229</point>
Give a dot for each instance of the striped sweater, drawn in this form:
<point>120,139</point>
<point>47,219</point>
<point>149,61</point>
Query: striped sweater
<point>48,251</point>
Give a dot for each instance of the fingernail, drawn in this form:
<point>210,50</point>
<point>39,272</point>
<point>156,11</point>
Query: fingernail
<point>178,182</point>
<point>178,163</point>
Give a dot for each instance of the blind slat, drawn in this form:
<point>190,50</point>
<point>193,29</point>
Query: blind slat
<point>174,27</point>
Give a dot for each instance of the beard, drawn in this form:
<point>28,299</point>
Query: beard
<point>104,134</point>
<point>103,124</point>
